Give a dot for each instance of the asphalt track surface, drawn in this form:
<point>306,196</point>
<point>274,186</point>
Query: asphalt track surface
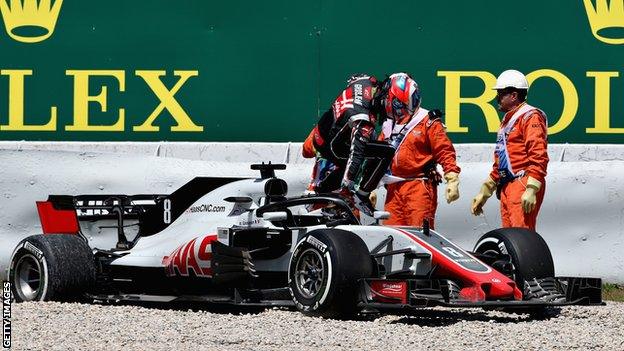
<point>70,326</point>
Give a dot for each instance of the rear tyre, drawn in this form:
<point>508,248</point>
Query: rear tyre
<point>51,268</point>
<point>324,271</point>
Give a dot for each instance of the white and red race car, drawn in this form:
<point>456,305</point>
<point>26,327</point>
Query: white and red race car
<point>242,241</point>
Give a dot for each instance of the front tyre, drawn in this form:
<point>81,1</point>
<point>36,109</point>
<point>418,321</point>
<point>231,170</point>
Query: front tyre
<point>528,254</point>
<point>324,271</point>
<point>55,267</point>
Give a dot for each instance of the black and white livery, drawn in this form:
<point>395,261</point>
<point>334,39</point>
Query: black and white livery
<point>243,241</point>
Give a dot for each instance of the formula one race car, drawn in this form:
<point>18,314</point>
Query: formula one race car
<point>242,241</point>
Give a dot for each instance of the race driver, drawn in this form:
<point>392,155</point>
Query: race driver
<point>344,145</point>
<point>421,143</point>
<point>520,158</point>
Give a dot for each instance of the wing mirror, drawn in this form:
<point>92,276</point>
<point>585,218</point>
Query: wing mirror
<point>275,216</point>
<point>380,215</point>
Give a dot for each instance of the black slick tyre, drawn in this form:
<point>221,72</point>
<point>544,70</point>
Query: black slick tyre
<point>527,250</point>
<point>54,267</point>
<point>324,271</point>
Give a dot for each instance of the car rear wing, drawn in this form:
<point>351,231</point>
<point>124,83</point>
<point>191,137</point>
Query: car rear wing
<point>57,220</point>
<point>61,214</point>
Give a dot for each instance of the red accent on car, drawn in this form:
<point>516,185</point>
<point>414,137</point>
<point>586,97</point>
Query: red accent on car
<point>477,286</point>
<point>517,293</point>
<point>55,221</point>
<point>187,257</point>
<point>205,254</point>
<point>472,293</point>
<point>389,291</point>
<point>186,253</point>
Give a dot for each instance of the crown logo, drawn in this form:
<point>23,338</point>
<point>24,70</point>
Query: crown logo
<point>606,20</point>
<point>30,21</point>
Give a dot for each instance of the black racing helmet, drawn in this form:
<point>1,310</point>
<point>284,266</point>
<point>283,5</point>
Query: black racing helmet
<point>378,103</point>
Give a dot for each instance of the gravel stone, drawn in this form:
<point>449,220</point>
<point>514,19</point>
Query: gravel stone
<point>70,326</point>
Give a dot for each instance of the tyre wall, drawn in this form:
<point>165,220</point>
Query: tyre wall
<point>582,217</point>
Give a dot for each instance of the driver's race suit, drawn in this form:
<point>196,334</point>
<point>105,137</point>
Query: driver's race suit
<point>343,140</point>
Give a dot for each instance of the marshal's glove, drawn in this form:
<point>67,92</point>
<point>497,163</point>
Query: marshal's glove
<point>452,186</point>
<point>487,189</point>
<point>373,198</point>
<point>529,198</point>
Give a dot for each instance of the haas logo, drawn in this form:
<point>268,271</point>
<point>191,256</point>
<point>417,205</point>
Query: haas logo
<point>193,256</point>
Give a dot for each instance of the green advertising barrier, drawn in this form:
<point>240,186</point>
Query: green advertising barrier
<point>201,70</point>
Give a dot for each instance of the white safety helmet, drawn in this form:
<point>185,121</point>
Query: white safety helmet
<point>511,79</point>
